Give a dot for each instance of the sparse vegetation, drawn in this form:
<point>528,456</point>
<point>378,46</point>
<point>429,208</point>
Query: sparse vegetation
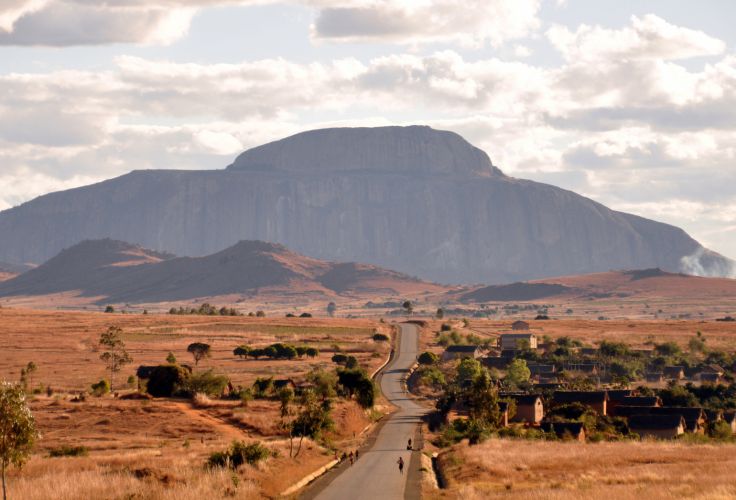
<point>17,429</point>
<point>114,353</point>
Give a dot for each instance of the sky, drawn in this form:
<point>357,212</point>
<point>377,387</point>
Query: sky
<point>629,102</point>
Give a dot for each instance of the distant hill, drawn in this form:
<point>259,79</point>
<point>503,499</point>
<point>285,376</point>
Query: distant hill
<point>8,271</point>
<point>417,200</point>
<point>109,271</point>
<point>643,283</point>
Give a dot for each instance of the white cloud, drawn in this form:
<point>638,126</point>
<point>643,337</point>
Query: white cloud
<point>648,37</point>
<point>471,22</point>
<point>89,22</point>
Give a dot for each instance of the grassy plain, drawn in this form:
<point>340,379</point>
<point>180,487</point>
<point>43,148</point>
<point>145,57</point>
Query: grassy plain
<point>501,468</point>
<point>157,448</point>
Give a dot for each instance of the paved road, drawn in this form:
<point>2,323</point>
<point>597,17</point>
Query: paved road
<point>376,474</point>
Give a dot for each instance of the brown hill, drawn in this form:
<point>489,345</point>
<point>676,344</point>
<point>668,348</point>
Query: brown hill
<point>644,283</point>
<point>109,271</point>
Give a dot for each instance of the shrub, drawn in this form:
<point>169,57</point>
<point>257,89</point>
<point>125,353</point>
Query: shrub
<point>305,315</point>
<point>340,359</point>
<point>167,380</point>
<point>446,327</point>
<point>109,309</point>
<point>207,383</point>
<point>101,388</point>
<point>69,451</point>
<point>427,358</point>
<point>200,400</point>
<point>238,454</point>
<point>380,337</point>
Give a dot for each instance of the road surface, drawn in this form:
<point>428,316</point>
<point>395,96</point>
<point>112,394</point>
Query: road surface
<point>376,474</point>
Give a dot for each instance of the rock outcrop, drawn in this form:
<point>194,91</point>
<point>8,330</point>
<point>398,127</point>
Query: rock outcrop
<point>414,199</point>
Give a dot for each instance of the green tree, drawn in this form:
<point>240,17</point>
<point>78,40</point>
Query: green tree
<point>199,351</point>
<point>312,352</point>
<point>286,396</point>
<point>31,368</point>
<point>171,358</point>
<point>17,428</point>
<point>242,351</point>
<point>408,307</point>
<point>313,418</point>
<point>114,354</point>
<point>427,358</point>
<point>517,373</point>
<point>468,369</point>
<point>331,309</point>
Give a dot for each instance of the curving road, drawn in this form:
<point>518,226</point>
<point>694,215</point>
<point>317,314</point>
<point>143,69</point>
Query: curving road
<point>376,474</point>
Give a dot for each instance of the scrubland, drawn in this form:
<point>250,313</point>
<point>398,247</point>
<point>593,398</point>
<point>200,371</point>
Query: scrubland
<point>501,468</point>
<point>157,448</point>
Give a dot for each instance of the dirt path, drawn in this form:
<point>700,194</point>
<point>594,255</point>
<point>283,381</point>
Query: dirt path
<point>219,425</point>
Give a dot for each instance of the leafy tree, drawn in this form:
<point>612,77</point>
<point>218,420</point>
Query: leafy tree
<point>17,428</point>
<point>668,349</point>
<point>199,351</point>
<point>408,307</point>
<point>517,373</point>
<point>207,382</point>
<point>31,368</point>
<point>312,352</point>
<point>286,396</point>
<point>260,314</point>
<point>242,351</point>
<point>114,354</point>
<point>613,349</point>
<point>325,383</point>
<point>380,337</point>
<point>468,369</point>
<point>109,309</point>
<point>356,382</point>
<point>340,359</point>
<point>427,358</point>
<point>167,380</point>
<point>101,388</point>
<point>351,362</point>
<point>440,313</point>
<point>331,309</point>
<point>301,351</point>
<point>313,418</point>
<point>696,345</point>
<point>171,358</point>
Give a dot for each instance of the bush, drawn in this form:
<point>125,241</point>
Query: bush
<point>446,327</point>
<point>101,388</point>
<point>380,337</point>
<point>238,454</point>
<point>109,309</point>
<point>167,380</point>
<point>427,358</point>
<point>208,383</point>
<point>340,359</point>
<point>69,451</point>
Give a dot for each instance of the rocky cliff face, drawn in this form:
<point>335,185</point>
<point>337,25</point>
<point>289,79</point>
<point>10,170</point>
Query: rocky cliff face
<point>412,199</point>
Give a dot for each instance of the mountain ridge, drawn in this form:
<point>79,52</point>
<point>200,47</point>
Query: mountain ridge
<point>418,218</point>
<point>110,271</point>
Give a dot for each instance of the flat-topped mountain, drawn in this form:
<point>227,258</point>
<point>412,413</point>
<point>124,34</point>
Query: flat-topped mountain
<point>108,271</point>
<point>414,199</point>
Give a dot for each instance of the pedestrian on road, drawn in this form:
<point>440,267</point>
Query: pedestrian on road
<point>357,452</point>
<point>351,458</point>
<point>401,465</point>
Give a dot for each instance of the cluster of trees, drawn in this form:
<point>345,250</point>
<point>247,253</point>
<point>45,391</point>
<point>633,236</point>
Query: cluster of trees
<point>206,310</point>
<point>276,351</point>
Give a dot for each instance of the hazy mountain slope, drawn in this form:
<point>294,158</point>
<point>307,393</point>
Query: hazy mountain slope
<point>639,284</point>
<point>413,199</point>
<point>103,270</point>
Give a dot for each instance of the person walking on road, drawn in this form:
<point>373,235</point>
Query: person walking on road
<point>401,465</point>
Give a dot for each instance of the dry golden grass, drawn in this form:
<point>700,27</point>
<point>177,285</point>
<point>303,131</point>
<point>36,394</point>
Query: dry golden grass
<point>638,333</point>
<point>64,345</point>
<point>570,470</point>
<point>157,448</point>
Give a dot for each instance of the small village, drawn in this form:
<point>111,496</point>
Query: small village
<point>563,389</point>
